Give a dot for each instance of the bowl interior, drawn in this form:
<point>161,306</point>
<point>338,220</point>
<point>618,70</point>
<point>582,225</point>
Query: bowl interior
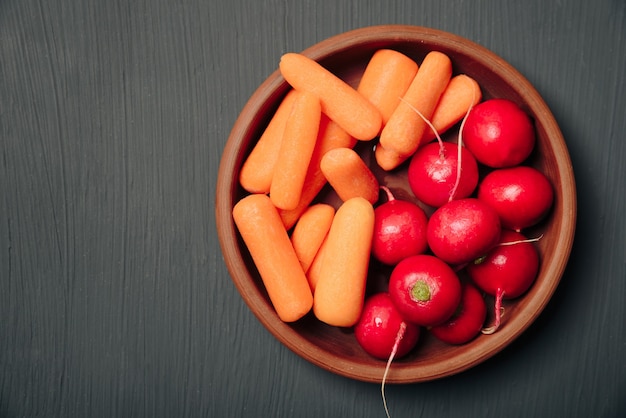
<point>336,349</point>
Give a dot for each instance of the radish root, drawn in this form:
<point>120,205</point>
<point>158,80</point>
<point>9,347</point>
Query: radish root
<point>441,150</point>
<point>459,153</point>
<point>390,196</point>
<point>394,350</point>
<point>499,310</point>
<point>521,241</point>
<point>430,125</point>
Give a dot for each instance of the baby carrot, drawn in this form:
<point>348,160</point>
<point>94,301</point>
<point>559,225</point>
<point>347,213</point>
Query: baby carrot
<point>387,158</point>
<point>461,93</point>
<point>404,130</point>
<point>295,151</point>
<point>348,175</point>
<point>313,273</point>
<point>310,231</point>
<point>339,100</point>
<point>340,290</point>
<point>330,136</point>
<point>268,243</point>
<point>258,168</point>
<point>386,78</point>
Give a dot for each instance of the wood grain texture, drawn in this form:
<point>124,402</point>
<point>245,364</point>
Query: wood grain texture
<point>114,299</point>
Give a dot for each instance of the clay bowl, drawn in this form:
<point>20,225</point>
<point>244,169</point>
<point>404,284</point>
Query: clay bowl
<point>335,349</point>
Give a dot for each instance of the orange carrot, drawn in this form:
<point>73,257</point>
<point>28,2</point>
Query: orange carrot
<point>403,132</point>
<point>386,78</point>
<point>295,151</point>
<point>310,232</point>
<point>330,136</point>
<point>268,243</point>
<point>258,169</point>
<point>314,271</point>
<point>387,158</point>
<point>340,290</point>
<point>461,93</point>
<point>339,100</point>
<point>348,175</point>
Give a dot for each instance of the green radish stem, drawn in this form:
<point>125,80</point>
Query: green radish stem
<point>420,291</point>
<point>394,350</point>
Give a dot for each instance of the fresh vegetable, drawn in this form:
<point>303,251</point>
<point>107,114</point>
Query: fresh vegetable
<point>425,290</point>
<point>499,133</point>
<point>388,159</point>
<point>432,174</point>
<point>521,195</point>
<point>342,103</point>
<point>330,136</point>
<point>399,230</point>
<point>386,78</point>
<point>340,290</point>
<point>463,230</point>
<point>267,241</point>
<point>507,271</point>
<point>461,93</point>
<point>468,319</point>
<point>348,175</point>
<point>258,168</point>
<point>315,269</point>
<point>378,327</point>
<point>474,227</point>
<point>404,130</point>
<point>310,231</point>
<point>383,333</point>
<point>296,150</point>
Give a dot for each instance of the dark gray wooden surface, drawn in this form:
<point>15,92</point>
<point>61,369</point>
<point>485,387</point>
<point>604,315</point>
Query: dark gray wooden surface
<point>114,298</point>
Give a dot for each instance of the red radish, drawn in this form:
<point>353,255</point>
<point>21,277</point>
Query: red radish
<point>379,325</point>
<point>468,319</point>
<point>399,230</point>
<point>425,290</point>
<point>499,133</point>
<point>432,173</point>
<point>521,195</point>
<point>383,333</point>
<point>463,230</point>
<point>507,271</point>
